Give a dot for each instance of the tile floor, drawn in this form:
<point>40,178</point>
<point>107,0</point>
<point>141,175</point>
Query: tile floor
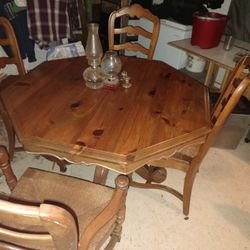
<point>220,206</point>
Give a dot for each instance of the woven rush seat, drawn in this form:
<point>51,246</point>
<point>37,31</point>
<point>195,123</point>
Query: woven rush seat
<point>37,186</point>
<point>47,210</point>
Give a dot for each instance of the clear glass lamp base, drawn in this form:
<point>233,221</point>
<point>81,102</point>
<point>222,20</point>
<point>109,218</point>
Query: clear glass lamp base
<point>111,81</point>
<point>94,77</point>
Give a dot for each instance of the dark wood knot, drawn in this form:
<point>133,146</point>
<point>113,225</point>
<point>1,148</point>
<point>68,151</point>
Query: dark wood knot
<point>167,121</point>
<point>51,122</point>
<point>184,111</point>
<point>98,132</point>
<point>152,92</point>
<point>165,75</point>
<point>75,105</point>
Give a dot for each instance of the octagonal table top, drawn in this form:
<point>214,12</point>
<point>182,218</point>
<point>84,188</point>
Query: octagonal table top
<point>54,113</point>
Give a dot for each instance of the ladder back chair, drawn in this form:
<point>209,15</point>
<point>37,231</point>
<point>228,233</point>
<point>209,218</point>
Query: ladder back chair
<point>52,211</point>
<point>9,40</point>
<point>189,159</point>
<point>134,11</point>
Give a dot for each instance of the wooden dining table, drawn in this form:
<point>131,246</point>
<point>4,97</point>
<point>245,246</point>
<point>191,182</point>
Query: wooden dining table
<point>54,113</point>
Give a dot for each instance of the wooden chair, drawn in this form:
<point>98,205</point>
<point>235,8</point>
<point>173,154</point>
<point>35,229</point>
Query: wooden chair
<point>51,211</point>
<point>107,7</point>
<point>189,159</point>
<point>16,59</point>
<point>132,11</point>
<point>11,41</point>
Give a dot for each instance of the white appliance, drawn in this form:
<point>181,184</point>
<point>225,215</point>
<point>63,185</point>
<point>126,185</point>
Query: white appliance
<point>172,31</point>
<point>169,31</point>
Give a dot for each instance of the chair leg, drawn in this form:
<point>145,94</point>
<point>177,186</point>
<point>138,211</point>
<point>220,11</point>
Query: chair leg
<point>247,139</point>
<point>10,133</point>
<point>147,173</point>
<point>61,163</point>
<point>100,175</point>
<point>6,169</point>
<point>188,186</point>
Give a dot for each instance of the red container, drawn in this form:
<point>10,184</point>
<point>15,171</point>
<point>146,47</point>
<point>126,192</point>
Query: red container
<point>208,28</point>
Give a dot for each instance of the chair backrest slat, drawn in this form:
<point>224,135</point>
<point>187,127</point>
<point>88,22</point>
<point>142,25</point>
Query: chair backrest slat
<point>6,60</point>
<point>131,46</point>
<point>6,246</point>
<point>132,11</point>
<point>135,30</point>
<point>25,240</point>
<point>4,41</point>
<point>12,42</point>
<point>234,89</point>
<point>47,226</point>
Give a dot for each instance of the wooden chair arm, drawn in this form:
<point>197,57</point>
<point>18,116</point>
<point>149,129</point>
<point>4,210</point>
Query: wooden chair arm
<point>117,202</point>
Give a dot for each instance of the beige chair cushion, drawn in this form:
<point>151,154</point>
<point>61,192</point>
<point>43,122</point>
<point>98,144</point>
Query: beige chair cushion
<point>84,198</point>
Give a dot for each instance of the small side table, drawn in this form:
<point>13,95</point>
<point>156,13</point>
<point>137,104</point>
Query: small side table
<point>216,57</point>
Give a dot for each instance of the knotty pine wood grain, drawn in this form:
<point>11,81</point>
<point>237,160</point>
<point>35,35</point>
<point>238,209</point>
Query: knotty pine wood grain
<point>52,110</point>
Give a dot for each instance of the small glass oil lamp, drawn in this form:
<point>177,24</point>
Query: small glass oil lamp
<point>111,66</point>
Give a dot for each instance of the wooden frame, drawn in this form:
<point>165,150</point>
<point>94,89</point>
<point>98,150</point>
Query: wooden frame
<point>164,112</point>
<point>11,41</point>
<point>189,159</point>
<point>52,225</point>
<point>138,11</point>
<point>16,59</point>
